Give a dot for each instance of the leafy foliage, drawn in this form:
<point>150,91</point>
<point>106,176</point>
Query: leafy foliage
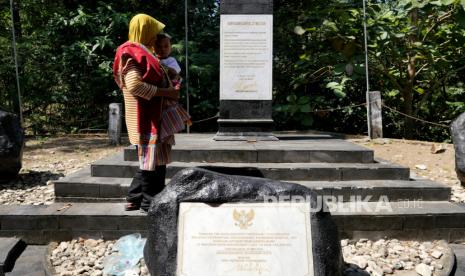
<point>414,59</point>
<point>66,50</point>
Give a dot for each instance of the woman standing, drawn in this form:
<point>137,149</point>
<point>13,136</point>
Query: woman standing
<point>144,84</point>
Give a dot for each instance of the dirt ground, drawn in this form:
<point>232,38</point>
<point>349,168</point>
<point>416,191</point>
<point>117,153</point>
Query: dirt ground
<point>440,166</point>
<point>48,159</point>
<point>64,155</point>
<point>435,161</point>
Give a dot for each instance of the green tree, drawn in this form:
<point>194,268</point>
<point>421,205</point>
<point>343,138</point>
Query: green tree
<point>416,47</point>
<point>415,50</point>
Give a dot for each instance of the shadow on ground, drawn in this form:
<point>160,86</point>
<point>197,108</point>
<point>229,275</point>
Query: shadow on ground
<point>29,179</point>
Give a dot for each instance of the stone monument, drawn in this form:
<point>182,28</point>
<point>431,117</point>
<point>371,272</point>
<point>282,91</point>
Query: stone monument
<point>210,222</point>
<point>11,145</point>
<point>458,137</point>
<point>115,123</point>
<point>246,66</point>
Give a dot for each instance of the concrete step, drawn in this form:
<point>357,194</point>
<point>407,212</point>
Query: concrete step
<point>10,250</point>
<point>31,262</point>
<point>63,221</point>
<point>82,187</point>
<point>310,148</point>
<point>375,190</point>
<point>115,166</point>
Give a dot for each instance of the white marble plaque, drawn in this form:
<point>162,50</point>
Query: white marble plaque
<point>250,239</point>
<point>246,57</point>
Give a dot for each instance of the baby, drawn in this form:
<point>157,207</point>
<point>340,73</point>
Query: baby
<point>163,50</point>
<point>174,117</point>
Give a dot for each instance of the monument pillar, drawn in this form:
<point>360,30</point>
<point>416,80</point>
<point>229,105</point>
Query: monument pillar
<point>246,68</point>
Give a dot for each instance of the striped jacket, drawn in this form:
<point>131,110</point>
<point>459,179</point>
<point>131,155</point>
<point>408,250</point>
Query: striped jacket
<point>133,87</point>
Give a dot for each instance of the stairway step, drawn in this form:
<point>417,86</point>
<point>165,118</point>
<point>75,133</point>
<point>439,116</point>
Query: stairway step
<point>81,187</point>
<point>31,262</point>
<point>63,221</point>
<point>374,190</point>
<point>115,166</point>
<point>10,249</point>
<point>403,220</point>
<point>310,148</point>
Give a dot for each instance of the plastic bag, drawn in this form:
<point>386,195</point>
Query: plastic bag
<point>129,252</point>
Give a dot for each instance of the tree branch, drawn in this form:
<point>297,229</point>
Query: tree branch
<point>421,68</point>
<point>440,19</point>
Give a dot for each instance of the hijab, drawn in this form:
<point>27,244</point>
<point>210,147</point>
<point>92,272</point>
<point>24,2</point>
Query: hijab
<point>143,29</point>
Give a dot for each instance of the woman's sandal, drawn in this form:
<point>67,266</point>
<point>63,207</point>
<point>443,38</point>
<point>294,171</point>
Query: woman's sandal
<point>131,206</point>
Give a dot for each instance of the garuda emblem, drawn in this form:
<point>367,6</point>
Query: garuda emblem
<point>243,219</point>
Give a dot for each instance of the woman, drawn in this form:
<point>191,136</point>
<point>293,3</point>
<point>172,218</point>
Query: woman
<point>144,84</point>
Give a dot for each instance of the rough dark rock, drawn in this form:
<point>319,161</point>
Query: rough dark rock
<point>200,185</point>
<point>11,145</point>
<point>458,136</point>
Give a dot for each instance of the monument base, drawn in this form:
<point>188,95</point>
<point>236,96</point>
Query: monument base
<point>245,136</point>
<point>245,130</point>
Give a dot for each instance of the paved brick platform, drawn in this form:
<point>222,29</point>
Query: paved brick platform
<point>314,148</point>
<point>93,197</point>
<point>62,221</point>
<point>328,165</point>
<point>82,187</point>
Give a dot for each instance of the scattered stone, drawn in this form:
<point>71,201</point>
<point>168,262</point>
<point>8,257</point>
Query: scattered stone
<point>374,269</point>
<point>423,270</point>
<point>397,257</point>
<point>435,149</point>
<point>438,266</point>
<point>90,243</point>
<point>344,242</point>
<point>360,261</point>
<point>436,254</point>
<point>84,257</point>
<point>427,260</point>
<point>387,270</point>
<point>421,167</point>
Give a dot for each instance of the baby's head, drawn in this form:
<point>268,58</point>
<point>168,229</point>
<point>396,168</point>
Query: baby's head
<point>163,45</point>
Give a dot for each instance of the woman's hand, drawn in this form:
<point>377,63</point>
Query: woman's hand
<point>174,92</point>
<point>170,93</point>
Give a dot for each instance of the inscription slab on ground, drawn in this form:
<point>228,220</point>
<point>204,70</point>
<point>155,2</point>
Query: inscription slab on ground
<point>245,239</point>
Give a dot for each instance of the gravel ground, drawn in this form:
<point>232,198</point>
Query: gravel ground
<point>45,160</point>
<point>362,257</point>
<point>85,257</point>
<point>385,257</point>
